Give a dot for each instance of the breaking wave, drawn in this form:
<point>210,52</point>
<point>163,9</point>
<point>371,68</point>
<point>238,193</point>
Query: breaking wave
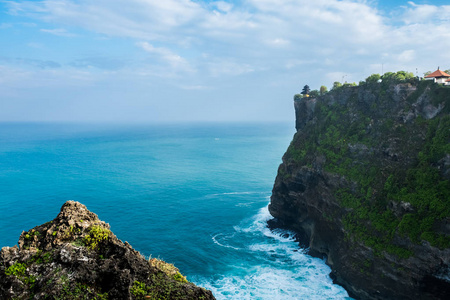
<point>269,265</point>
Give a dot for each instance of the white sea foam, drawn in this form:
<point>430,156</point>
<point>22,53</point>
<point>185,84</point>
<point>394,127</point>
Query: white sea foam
<point>244,204</point>
<point>222,240</point>
<point>235,193</point>
<point>283,270</point>
<point>276,283</point>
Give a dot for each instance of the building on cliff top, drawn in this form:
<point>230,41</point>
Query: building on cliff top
<point>439,77</point>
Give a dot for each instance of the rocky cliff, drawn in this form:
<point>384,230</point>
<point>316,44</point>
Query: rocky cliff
<point>76,256</point>
<point>365,183</point>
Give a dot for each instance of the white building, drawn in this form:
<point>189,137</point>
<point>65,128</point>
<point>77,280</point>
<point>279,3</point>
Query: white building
<point>439,77</point>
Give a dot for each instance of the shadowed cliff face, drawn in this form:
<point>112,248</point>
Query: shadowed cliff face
<point>76,256</point>
<point>365,182</point>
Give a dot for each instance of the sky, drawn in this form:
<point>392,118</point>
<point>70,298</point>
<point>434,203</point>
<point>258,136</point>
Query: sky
<point>151,61</point>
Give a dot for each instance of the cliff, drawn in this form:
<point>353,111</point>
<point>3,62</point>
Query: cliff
<point>76,256</point>
<point>365,183</point>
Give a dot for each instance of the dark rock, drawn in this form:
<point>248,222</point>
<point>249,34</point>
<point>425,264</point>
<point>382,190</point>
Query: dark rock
<point>352,141</point>
<point>304,111</point>
<point>76,256</point>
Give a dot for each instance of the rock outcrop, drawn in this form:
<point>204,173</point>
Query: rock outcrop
<point>76,256</point>
<point>365,183</point>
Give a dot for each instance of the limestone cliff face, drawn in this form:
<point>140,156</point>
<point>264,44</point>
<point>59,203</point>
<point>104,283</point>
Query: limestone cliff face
<point>365,183</point>
<point>76,256</point>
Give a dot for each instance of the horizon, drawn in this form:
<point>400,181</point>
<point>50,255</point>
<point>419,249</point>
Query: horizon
<point>185,61</point>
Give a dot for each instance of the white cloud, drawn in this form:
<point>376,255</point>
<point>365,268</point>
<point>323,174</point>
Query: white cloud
<point>13,78</point>
<point>5,25</point>
<point>35,45</point>
<point>195,87</point>
<point>174,60</point>
<point>59,32</point>
<point>337,76</point>
<point>278,42</point>
<point>426,13</point>
<point>222,6</point>
<point>407,56</point>
<point>324,31</point>
<point>143,19</point>
<point>271,43</point>
<point>228,68</point>
<point>296,63</point>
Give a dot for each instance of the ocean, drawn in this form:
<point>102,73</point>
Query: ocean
<point>194,195</point>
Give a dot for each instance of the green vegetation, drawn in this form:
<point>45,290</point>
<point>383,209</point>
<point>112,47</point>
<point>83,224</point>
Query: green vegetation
<point>19,270</point>
<point>387,79</point>
<point>79,291</point>
<point>70,232</point>
<point>140,290</point>
<point>160,288</point>
<point>314,93</point>
<point>41,258</point>
<point>336,85</point>
<point>400,76</point>
<point>96,235</point>
<point>30,235</point>
<point>169,269</point>
<point>323,90</point>
<point>349,138</point>
<point>424,189</point>
<point>373,78</point>
<point>179,277</point>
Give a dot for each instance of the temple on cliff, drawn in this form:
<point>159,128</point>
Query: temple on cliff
<point>439,77</point>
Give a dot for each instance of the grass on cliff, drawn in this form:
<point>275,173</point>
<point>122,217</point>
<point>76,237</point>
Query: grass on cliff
<point>96,235</point>
<point>345,133</point>
<point>160,288</point>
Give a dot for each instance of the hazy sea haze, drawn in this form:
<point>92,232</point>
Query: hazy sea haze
<point>195,195</point>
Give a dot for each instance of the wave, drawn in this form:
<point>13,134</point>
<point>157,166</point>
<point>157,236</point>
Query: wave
<point>275,284</point>
<point>235,193</point>
<point>269,265</point>
<point>223,239</point>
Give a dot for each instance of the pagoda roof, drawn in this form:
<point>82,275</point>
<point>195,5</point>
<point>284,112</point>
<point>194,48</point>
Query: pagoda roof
<point>437,74</point>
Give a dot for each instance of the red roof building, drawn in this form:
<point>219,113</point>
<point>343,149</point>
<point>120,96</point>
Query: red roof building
<point>438,76</point>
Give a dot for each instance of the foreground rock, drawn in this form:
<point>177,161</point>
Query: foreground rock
<point>76,256</point>
<point>365,183</point>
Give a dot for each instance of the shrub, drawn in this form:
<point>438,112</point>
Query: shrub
<point>96,235</point>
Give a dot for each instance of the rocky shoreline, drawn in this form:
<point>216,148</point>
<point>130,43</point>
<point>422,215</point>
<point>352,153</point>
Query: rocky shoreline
<point>76,256</point>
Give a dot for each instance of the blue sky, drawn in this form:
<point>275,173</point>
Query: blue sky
<point>184,60</point>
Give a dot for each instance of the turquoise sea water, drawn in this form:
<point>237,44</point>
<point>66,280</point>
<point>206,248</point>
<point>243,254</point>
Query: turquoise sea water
<point>195,195</point>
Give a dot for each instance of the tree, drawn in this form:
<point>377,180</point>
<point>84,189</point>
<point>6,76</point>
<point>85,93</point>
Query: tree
<point>314,93</point>
<point>323,90</point>
<point>336,85</point>
<point>400,76</point>
<point>403,75</point>
<point>297,97</point>
<point>305,90</point>
<point>373,78</point>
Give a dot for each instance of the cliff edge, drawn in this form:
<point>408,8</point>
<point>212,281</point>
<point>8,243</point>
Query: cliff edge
<point>365,183</point>
<point>76,256</point>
